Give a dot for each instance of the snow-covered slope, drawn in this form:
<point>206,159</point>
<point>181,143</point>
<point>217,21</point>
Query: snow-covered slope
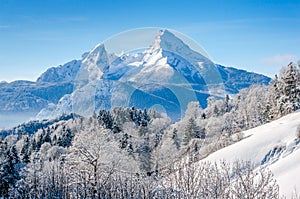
<point>274,145</point>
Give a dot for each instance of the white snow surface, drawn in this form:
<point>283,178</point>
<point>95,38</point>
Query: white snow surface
<point>278,142</point>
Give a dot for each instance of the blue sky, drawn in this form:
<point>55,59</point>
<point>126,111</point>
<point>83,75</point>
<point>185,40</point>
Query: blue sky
<point>259,36</point>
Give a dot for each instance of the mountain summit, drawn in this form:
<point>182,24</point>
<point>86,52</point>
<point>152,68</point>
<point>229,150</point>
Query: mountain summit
<point>167,41</point>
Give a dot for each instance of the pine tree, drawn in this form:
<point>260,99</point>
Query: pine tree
<point>25,152</point>
<point>226,104</point>
<point>176,139</point>
<point>289,92</point>
<point>145,115</point>
<point>54,140</point>
<point>272,97</point>
<point>143,128</point>
<point>39,142</point>
<point>9,170</point>
<point>105,119</point>
<point>157,138</point>
<point>124,141</point>
<point>130,149</point>
<point>192,130</point>
<point>188,131</point>
<point>66,139</point>
<point>46,136</point>
<point>33,145</point>
<point>145,156</point>
<point>115,127</point>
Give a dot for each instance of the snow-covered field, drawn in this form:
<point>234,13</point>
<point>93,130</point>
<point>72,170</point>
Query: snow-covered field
<point>274,145</point>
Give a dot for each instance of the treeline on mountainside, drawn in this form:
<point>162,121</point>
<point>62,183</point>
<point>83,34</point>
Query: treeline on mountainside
<point>126,152</point>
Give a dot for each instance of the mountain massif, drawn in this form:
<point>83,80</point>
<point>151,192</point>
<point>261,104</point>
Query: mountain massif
<point>166,76</point>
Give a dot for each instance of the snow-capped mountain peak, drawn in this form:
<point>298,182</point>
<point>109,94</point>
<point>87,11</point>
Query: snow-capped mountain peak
<point>98,57</point>
<point>178,53</point>
<point>62,73</point>
<point>167,41</point>
<point>94,65</point>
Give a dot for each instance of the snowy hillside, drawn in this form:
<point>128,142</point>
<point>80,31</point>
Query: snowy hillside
<point>274,145</point>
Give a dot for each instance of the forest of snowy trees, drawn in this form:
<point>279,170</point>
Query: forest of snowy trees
<point>131,153</point>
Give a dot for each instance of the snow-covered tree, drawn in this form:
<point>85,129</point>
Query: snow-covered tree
<point>94,156</point>
<point>249,183</point>
<point>221,180</point>
<point>193,110</point>
<point>105,119</point>
<point>9,168</point>
<point>192,130</point>
<point>25,152</point>
<point>289,100</point>
<point>145,156</point>
<point>175,138</point>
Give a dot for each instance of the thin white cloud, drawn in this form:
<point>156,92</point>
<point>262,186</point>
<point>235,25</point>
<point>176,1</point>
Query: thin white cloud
<point>278,59</point>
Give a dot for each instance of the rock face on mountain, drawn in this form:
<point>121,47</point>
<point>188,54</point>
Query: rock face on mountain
<point>166,76</point>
